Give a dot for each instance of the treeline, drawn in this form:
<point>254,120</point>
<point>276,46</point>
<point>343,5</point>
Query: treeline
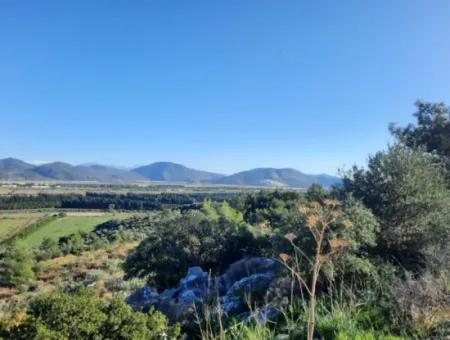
<point>95,200</point>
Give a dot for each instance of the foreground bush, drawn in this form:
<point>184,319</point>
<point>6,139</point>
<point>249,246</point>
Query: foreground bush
<point>405,189</point>
<point>84,315</point>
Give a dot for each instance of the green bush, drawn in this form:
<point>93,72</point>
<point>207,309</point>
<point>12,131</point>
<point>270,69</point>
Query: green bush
<point>405,189</point>
<point>84,315</point>
<point>16,267</point>
<point>194,239</point>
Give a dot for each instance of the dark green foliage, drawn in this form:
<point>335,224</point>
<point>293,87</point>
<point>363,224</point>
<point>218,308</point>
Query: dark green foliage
<point>432,130</point>
<point>16,267</point>
<point>192,239</point>
<point>316,192</point>
<point>48,249</point>
<point>278,208</point>
<point>84,315</point>
<point>405,189</point>
<point>98,200</point>
<point>72,244</point>
<point>355,264</point>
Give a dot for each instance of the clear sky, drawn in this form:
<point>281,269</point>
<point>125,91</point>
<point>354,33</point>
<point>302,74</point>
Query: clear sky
<point>216,85</point>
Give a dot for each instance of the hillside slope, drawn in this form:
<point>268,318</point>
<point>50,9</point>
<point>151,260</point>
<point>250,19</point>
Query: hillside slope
<point>271,177</point>
<point>167,171</point>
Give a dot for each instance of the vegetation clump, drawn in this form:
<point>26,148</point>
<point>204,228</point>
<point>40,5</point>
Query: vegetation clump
<point>84,315</point>
<point>366,260</point>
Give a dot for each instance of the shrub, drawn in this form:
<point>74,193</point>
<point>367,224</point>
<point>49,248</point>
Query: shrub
<point>48,249</point>
<point>83,315</point>
<point>406,191</point>
<point>192,239</point>
<point>16,267</point>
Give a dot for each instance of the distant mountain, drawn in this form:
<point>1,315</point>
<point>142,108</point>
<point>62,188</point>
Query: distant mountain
<point>13,165</point>
<point>15,169</point>
<point>327,180</point>
<point>270,177</point>
<point>166,171</point>
<point>11,168</point>
<point>65,172</point>
<point>108,173</point>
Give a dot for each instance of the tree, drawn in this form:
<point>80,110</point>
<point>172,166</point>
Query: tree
<point>405,189</point>
<point>192,239</point>
<point>16,267</point>
<point>316,192</point>
<point>431,132</point>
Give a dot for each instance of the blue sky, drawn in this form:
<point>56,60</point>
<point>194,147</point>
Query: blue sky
<point>217,85</point>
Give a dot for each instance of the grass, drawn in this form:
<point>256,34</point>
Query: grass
<point>65,226</point>
<point>12,223</point>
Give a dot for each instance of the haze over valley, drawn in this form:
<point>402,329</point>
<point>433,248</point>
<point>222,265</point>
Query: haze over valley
<point>15,169</point>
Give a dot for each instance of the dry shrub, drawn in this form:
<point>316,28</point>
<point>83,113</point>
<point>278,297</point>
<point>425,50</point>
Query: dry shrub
<point>423,301</point>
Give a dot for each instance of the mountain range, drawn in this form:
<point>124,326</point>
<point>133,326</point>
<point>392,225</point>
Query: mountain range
<point>15,169</point>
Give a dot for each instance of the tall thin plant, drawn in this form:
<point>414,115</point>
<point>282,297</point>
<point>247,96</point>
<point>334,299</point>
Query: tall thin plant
<point>323,220</point>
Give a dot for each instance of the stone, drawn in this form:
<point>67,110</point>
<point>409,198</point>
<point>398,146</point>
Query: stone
<point>142,298</point>
<point>249,277</point>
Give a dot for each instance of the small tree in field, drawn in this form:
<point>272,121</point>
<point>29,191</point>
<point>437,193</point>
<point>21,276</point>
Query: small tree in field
<point>16,267</point>
<point>327,224</point>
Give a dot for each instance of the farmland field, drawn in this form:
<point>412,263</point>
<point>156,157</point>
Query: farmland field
<point>66,226</point>
<point>12,223</point>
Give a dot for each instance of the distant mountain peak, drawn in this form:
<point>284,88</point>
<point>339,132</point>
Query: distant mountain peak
<point>174,172</point>
<point>15,169</point>
<point>274,177</point>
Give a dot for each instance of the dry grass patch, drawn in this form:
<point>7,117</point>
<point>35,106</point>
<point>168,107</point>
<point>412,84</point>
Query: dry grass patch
<point>79,265</point>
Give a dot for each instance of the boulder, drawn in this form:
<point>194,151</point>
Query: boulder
<point>244,282</point>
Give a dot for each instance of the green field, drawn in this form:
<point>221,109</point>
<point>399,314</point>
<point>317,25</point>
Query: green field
<point>12,223</point>
<point>65,226</point>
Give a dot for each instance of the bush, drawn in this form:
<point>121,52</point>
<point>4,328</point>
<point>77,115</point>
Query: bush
<point>16,267</point>
<point>48,249</point>
<point>83,315</point>
<point>192,239</point>
<point>406,191</point>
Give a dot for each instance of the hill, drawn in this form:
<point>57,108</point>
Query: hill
<point>167,171</point>
<point>108,173</point>
<point>270,177</point>
<point>64,171</point>
<point>15,169</point>
<point>12,168</point>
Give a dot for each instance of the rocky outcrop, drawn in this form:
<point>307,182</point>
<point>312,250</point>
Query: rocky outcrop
<point>246,281</point>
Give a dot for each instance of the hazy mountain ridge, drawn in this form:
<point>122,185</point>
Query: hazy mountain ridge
<point>11,169</point>
<point>167,171</point>
<point>277,177</point>
<point>14,169</point>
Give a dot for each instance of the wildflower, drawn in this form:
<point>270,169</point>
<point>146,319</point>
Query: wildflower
<point>303,210</point>
<point>312,221</point>
<point>336,213</point>
<point>314,205</point>
<point>290,236</point>
<point>331,202</point>
<point>284,257</point>
<point>336,243</point>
